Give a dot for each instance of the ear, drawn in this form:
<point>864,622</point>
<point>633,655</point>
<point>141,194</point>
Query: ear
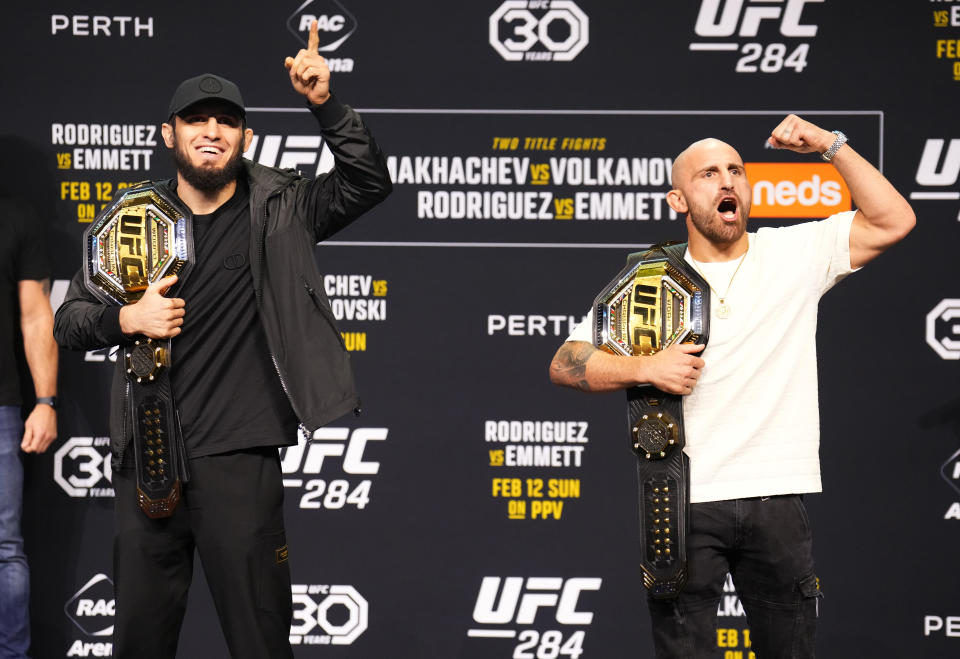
<point>247,138</point>
<point>167,131</point>
<point>677,201</point>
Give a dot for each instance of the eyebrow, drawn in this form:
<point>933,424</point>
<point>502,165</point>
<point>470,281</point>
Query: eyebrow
<point>738,165</point>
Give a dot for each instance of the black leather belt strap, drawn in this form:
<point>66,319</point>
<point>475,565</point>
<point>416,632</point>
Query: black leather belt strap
<point>656,434</point>
<point>159,453</point>
<point>657,438</point>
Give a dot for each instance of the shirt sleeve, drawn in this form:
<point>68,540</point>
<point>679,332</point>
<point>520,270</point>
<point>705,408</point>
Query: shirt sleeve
<point>583,331</point>
<point>835,238</point>
<point>30,260</point>
<point>817,252</point>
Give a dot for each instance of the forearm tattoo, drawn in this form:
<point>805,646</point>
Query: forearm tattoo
<point>571,362</point>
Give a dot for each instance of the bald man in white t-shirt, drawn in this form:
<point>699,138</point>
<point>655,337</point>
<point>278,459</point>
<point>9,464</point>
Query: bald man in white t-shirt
<point>751,415</point>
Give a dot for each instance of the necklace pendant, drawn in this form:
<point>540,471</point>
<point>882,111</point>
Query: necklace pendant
<point>723,310</point>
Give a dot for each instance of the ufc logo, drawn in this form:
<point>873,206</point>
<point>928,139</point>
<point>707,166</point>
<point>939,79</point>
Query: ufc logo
<point>936,168</point>
<point>133,261</point>
<point>521,598</point>
<point>645,298</point>
<point>307,457</point>
<point>291,152</point>
<point>712,22</point>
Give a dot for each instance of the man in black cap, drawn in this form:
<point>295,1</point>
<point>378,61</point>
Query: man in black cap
<point>256,354</point>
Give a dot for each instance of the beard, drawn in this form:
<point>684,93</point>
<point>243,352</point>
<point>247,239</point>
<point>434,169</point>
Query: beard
<point>206,179</point>
<point>705,219</point>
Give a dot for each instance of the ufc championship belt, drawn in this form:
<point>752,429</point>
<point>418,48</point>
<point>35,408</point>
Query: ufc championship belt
<point>657,300</point>
<point>145,235</point>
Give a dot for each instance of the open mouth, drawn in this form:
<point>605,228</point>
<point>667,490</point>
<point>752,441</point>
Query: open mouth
<point>728,208</point>
<point>209,149</point>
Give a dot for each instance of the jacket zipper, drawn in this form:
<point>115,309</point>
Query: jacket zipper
<point>258,291</point>
<point>123,425</point>
<point>323,310</point>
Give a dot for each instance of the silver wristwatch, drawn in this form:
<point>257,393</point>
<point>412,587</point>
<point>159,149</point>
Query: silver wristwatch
<point>837,143</point>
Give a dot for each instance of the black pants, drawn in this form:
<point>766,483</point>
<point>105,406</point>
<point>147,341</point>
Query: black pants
<point>231,512</point>
<point>766,546</point>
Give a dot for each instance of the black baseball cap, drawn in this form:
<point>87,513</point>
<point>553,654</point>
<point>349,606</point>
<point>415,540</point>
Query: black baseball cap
<point>206,87</point>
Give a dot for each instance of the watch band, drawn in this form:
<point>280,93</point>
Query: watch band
<point>47,400</point>
<point>837,143</point>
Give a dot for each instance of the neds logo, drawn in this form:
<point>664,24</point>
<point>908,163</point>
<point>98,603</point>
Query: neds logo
<point>788,190</point>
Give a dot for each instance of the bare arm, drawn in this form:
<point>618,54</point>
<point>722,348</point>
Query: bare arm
<point>883,216</point>
<point>582,366</point>
<point>36,324</point>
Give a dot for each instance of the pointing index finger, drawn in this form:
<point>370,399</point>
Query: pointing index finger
<point>313,44</point>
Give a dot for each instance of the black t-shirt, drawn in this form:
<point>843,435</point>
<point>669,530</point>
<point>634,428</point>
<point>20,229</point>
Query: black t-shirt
<point>224,382</point>
<point>22,257</point>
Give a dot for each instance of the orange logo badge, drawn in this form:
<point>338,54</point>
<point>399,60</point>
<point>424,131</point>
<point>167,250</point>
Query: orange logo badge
<point>788,190</point>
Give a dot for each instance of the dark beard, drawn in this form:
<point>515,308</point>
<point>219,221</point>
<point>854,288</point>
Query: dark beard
<point>206,179</point>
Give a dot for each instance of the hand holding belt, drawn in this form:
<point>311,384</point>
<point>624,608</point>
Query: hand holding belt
<point>655,301</point>
<point>146,234</point>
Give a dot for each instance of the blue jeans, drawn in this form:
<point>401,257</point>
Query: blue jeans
<point>14,576</point>
<point>766,546</point>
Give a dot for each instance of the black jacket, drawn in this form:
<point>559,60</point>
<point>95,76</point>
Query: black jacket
<point>289,214</point>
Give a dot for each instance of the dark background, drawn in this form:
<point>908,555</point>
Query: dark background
<point>429,83</point>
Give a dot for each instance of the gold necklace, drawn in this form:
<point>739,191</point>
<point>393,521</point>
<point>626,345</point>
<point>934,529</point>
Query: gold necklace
<point>723,311</point>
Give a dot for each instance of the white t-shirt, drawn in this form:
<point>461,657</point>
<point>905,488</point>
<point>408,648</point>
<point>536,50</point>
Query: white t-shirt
<point>752,423</point>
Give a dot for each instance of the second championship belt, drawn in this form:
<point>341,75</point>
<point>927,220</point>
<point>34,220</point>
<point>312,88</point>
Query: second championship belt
<point>145,235</point>
<point>657,300</point>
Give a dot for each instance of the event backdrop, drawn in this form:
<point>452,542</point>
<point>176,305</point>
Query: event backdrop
<point>473,509</point>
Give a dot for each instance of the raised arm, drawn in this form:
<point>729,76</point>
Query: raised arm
<point>883,216</point>
<point>360,178</point>
<point>582,366</point>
